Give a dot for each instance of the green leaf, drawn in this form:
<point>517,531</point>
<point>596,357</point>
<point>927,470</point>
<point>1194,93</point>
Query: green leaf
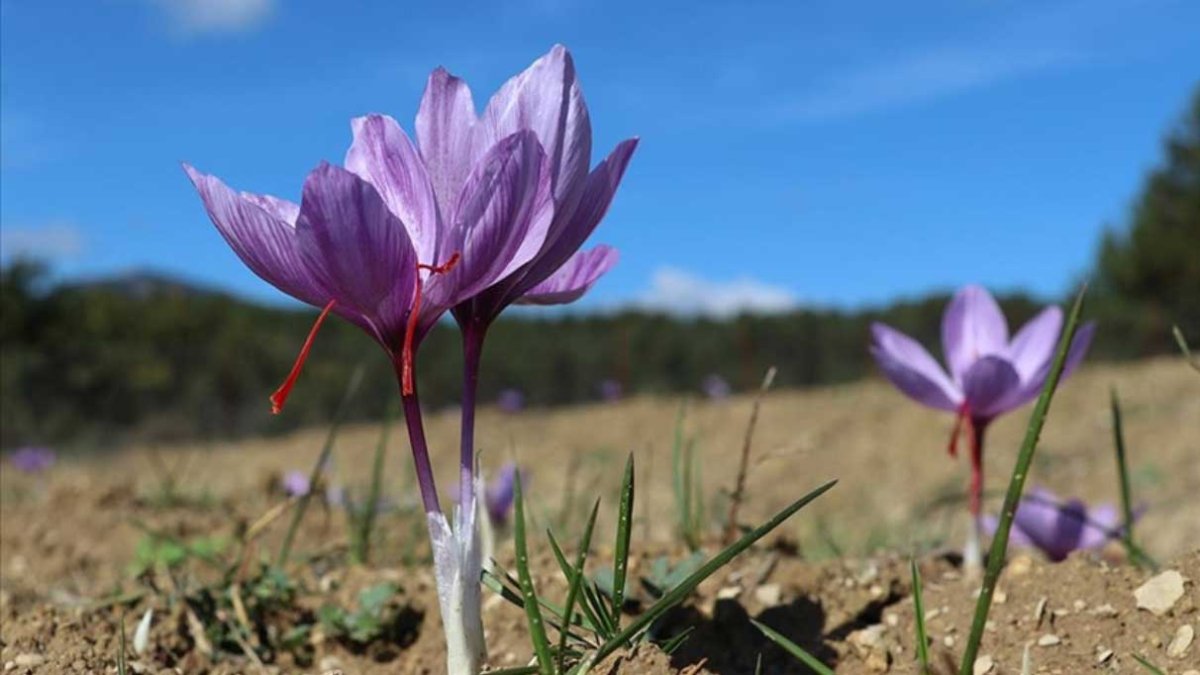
<point>533,614</point>
<point>1147,665</point>
<point>621,551</point>
<point>680,592</point>
<point>919,619</point>
<point>575,578</point>
<point>794,649</point>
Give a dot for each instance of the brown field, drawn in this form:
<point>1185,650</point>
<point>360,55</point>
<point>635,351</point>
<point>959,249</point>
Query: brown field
<point>69,538</point>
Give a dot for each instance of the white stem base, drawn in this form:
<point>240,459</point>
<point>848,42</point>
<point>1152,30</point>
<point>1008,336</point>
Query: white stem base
<point>973,550</point>
<point>458,568</point>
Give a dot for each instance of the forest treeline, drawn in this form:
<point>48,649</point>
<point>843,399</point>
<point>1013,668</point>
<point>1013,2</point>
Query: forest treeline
<point>154,359</point>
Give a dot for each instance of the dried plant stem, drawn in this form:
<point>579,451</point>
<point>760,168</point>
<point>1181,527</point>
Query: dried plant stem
<point>735,499</point>
<point>995,558</point>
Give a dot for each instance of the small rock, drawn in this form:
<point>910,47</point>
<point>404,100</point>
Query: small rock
<point>729,593</point>
<point>9,665</point>
<point>1039,611</point>
<point>329,663</point>
<point>1103,656</point>
<point>891,619</point>
<point>983,665</point>
<point>1049,640</point>
<point>29,660</point>
<point>769,595</point>
<point>878,661</point>
<point>948,641</point>
<point>1079,605</point>
<point>868,638</point>
<point>1182,640</point>
<point>1103,610</point>
<point>1160,593</point>
<point>1000,597</point>
<point>1019,565</point>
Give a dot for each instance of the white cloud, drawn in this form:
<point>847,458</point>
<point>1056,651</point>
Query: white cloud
<point>679,292</point>
<point>54,240</point>
<point>918,78</point>
<point>195,17</point>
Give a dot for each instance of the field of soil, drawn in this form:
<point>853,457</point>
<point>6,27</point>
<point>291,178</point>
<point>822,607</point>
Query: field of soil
<point>88,544</point>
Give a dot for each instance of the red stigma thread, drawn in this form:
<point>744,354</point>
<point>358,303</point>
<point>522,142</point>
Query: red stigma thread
<point>406,354</point>
<point>964,415</point>
<point>281,394</point>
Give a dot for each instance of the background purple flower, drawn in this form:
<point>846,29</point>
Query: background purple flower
<point>499,493</point>
<point>1056,526</point>
<point>610,390</point>
<point>295,483</point>
<point>715,387</point>
<point>32,459</point>
<point>511,401</point>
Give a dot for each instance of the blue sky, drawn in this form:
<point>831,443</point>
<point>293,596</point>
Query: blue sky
<point>792,152</point>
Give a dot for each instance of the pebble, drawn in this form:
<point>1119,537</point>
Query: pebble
<point>1039,611</point>
<point>1160,593</point>
<point>769,595</point>
<point>983,665</point>
<point>1103,610</point>
<point>729,592</point>
<point>9,665</point>
<point>1182,640</point>
<point>1019,565</point>
<point>29,660</point>
<point>1049,640</point>
<point>948,641</point>
<point>1103,656</point>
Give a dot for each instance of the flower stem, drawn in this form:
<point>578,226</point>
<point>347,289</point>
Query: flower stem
<point>420,449</point>
<point>473,334</point>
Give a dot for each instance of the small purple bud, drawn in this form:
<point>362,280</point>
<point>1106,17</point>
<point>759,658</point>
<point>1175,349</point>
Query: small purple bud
<point>1057,526</point>
<point>33,459</point>
<point>498,496</point>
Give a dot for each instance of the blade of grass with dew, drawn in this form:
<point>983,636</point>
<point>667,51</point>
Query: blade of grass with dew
<point>679,593</point>
<point>919,619</point>
<point>587,620</point>
<point>621,550</point>
<point>533,613</point>
<point>1145,663</point>
<point>576,580</point>
<point>371,508</point>
<point>1016,486</point>
<point>314,476</point>
<point>794,649</point>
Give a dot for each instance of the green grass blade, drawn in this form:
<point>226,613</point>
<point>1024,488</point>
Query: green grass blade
<point>371,508</point>
<point>314,476</point>
<point>1123,473</point>
<point>1183,347</point>
<point>594,600</point>
<point>533,613</point>
<point>794,649</point>
<point>576,581</point>
<point>1147,665</point>
<point>589,619</point>
<point>621,550</point>
<point>1016,486</point>
<point>919,619</point>
<point>518,670</point>
<point>677,594</point>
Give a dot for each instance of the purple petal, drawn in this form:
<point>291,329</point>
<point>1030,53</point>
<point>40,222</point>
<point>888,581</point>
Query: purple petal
<point>547,99</point>
<point>1031,387</point>
<point>1016,536</point>
<point>266,243</point>
<point>447,131</point>
<point>574,278</point>
<point>383,156</point>
<point>501,218</point>
<point>566,237</point>
<point>1103,524</point>
<point>358,248</point>
<point>911,369</point>
<point>498,497</point>
<point>1033,346</point>
<point>282,209</point>
<point>989,385</point>
<point>972,327</point>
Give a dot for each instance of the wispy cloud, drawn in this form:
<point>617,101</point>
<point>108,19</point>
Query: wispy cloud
<point>54,240</point>
<point>918,78</point>
<point>676,291</point>
<point>199,17</point>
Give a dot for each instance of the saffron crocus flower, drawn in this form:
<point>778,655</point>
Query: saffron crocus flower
<point>295,483</point>
<point>1057,527</point>
<point>498,497</point>
<point>511,401</point>
<point>987,375</point>
<point>610,390</point>
<point>716,388</point>
<point>32,459</point>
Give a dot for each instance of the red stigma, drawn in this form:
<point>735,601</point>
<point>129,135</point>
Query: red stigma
<point>281,394</point>
<point>964,415</point>
<point>406,355</point>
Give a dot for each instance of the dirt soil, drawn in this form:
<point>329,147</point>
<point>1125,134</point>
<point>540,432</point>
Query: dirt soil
<point>834,579</point>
